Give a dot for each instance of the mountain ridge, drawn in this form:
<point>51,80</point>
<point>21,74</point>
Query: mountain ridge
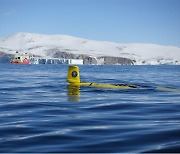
<point>51,45</point>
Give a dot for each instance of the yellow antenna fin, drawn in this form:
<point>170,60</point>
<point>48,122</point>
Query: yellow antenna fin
<point>73,74</point>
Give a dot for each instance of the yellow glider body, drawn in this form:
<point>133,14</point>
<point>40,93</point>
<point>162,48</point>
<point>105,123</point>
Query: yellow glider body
<point>101,85</point>
<point>74,78</point>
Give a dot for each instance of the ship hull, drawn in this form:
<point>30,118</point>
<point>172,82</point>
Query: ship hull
<point>27,61</point>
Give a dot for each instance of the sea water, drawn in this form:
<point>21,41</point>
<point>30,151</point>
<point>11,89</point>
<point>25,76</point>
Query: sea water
<point>39,112</point>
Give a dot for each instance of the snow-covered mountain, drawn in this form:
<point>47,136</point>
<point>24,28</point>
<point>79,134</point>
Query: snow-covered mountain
<point>42,45</point>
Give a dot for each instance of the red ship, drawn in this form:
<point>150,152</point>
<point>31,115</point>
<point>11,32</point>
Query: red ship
<point>20,59</point>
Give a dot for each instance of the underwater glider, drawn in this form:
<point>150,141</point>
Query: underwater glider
<point>73,77</point>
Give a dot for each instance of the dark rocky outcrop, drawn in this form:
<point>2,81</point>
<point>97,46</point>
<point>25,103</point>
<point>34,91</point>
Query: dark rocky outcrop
<point>5,58</point>
<point>103,60</point>
<point>3,54</point>
<point>66,55</point>
<point>108,60</point>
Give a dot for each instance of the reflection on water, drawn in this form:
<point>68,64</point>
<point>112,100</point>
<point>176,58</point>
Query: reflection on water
<point>73,93</point>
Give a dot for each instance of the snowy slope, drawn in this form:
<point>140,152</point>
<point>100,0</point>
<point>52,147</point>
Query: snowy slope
<point>39,44</point>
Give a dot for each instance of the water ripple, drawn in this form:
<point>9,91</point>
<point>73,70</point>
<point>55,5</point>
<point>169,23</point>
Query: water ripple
<point>40,114</point>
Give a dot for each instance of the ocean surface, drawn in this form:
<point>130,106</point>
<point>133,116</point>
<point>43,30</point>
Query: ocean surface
<point>39,112</point>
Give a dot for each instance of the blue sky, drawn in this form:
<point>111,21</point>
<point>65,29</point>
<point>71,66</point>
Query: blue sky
<point>123,21</point>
